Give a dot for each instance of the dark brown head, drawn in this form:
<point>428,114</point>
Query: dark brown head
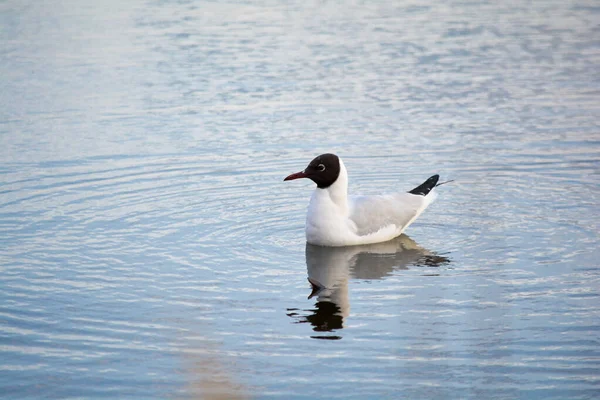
<point>323,170</point>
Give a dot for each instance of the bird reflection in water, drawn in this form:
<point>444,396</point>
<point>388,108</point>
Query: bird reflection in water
<point>330,268</point>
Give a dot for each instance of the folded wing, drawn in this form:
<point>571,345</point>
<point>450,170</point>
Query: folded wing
<point>373,213</point>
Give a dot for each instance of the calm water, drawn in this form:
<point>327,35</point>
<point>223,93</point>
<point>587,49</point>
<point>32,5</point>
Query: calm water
<point>150,249</point>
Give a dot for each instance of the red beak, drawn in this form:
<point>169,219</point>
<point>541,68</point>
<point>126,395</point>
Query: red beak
<point>297,175</point>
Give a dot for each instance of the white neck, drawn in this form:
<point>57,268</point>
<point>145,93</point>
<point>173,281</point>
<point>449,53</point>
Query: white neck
<point>338,191</point>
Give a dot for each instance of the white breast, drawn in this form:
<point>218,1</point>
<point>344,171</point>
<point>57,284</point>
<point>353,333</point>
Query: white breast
<point>327,222</point>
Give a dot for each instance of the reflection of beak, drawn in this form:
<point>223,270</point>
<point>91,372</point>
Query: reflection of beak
<point>316,287</point>
<point>297,175</point>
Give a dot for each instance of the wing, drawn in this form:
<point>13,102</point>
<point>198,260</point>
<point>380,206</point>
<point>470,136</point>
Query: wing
<point>372,213</point>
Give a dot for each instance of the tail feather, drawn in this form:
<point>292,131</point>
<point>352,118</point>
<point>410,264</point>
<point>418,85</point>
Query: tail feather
<point>443,183</point>
<point>424,188</point>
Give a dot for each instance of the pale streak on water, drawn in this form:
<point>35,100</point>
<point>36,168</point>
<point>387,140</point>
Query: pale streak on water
<point>149,248</point>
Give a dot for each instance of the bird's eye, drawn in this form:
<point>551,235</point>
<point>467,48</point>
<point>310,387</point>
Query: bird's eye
<point>321,167</point>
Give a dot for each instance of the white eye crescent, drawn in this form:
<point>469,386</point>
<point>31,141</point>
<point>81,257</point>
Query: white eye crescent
<point>321,167</point>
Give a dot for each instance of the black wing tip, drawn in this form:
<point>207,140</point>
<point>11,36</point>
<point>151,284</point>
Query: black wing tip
<point>424,188</point>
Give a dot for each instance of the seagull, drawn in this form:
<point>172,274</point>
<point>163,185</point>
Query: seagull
<point>334,219</point>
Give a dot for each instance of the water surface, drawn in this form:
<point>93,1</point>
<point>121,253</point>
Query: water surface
<point>150,249</point>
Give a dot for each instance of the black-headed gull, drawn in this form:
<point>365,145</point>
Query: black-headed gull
<point>335,219</point>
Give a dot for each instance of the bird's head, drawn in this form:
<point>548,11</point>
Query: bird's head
<point>322,170</point>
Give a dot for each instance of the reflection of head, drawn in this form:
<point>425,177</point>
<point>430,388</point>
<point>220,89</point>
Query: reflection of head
<point>326,317</point>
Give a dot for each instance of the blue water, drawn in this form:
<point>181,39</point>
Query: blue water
<point>150,249</point>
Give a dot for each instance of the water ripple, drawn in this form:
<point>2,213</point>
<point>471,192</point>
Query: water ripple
<point>150,248</point>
